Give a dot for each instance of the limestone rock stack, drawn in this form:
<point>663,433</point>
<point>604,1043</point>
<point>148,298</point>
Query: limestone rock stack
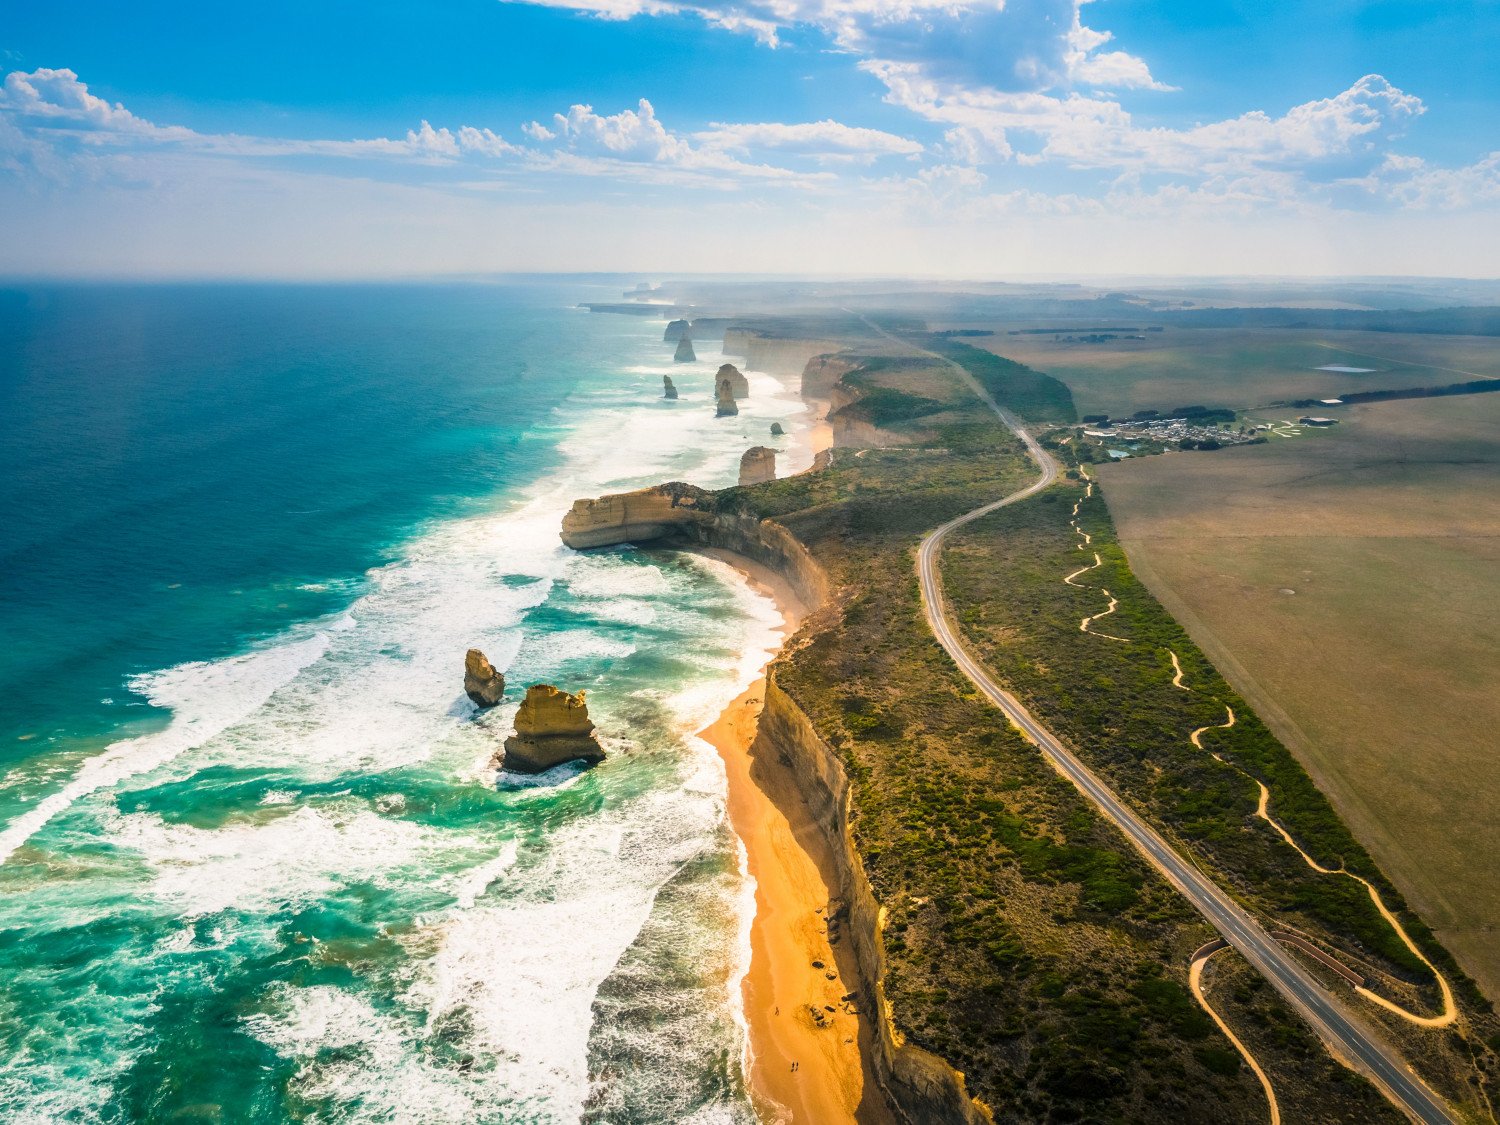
<point>552,727</point>
<point>737,381</point>
<point>776,430</point>
<point>684,352</point>
<point>482,684</point>
<point>676,330</point>
<point>724,404</point>
<point>668,388</point>
<point>758,465</point>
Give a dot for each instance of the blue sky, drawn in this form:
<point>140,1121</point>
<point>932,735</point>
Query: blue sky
<point>937,137</point>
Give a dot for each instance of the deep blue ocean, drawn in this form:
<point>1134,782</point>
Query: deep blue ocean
<point>256,863</point>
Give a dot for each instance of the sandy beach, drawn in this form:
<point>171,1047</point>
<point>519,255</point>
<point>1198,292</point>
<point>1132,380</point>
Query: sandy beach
<point>802,1070</point>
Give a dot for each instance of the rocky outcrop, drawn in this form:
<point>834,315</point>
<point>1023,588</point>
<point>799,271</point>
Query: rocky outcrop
<point>552,727</point>
<point>676,330</point>
<point>482,684</point>
<point>724,404</point>
<point>684,352</point>
<point>758,465</point>
<point>739,386</point>
<point>683,515</point>
<point>776,430</point>
<point>668,388</point>
<point>822,373</point>
<point>778,355</point>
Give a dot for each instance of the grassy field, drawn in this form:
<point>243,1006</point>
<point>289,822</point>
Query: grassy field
<point>1348,584</point>
<point>1243,367</point>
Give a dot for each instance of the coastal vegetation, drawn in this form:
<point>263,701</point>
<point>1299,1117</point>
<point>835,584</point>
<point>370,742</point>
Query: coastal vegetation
<point>1026,942</point>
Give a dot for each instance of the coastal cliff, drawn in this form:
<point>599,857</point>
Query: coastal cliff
<point>683,515</point>
<point>776,355</point>
<point>922,1088</point>
<point>758,465</point>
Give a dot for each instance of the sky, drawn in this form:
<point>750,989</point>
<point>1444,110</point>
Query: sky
<point>948,138</point>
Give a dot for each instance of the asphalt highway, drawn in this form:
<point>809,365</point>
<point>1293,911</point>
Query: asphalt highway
<point>1344,1034</point>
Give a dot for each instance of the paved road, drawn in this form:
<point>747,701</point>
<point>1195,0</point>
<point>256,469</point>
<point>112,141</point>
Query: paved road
<point>1347,1036</point>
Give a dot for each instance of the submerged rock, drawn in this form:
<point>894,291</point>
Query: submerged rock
<point>738,384</point>
<point>668,388</point>
<point>482,684</point>
<point>758,465</point>
<point>676,330</point>
<point>684,352</point>
<point>776,430</point>
<point>552,727</point>
<point>724,404</point>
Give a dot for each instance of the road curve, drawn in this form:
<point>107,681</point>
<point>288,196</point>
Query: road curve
<point>1348,1037</point>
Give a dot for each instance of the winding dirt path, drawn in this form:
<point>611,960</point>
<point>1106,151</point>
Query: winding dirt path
<point>1450,1009</point>
<point>1195,985</point>
<point>1114,604</point>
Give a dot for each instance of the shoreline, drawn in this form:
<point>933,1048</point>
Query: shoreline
<point>786,855</point>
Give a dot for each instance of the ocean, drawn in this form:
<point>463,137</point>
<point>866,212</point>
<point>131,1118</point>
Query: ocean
<point>256,864</point>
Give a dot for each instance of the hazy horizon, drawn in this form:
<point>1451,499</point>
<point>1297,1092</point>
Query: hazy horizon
<point>1037,137</point>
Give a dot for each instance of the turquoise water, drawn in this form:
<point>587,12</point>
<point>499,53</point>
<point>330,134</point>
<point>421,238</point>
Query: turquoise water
<point>257,866</point>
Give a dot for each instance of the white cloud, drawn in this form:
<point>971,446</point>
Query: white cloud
<point>1002,44</point>
<point>1086,132</point>
<point>821,140</point>
<point>1415,184</point>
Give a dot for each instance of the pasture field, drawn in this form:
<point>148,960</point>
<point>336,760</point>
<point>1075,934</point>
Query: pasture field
<point>1242,367</point>
<point>1348,585</point>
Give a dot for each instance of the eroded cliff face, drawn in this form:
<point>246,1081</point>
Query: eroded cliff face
<point>821,374</point>
<point>775,355</point>
<point>682,515</point>
<point>757,465</point>
<point>853,432</point>
<point>922,1088</point>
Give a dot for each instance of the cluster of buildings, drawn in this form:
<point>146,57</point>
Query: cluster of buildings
<point>1169,431</point>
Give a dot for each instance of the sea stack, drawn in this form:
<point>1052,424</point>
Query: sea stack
<point>552,727</point>
<point>668,388</point>
<point>776,430</point>
<point>724,404</point>
<point>676,330</point>
<point>482,684</point>
<point>758,465</point>
<point>737,381</point>
<point>684,352</point>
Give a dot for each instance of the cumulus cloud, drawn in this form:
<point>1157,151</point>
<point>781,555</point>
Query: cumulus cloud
<point>1089,132</point>
<point>1009,45</point>
<point>51,125</point>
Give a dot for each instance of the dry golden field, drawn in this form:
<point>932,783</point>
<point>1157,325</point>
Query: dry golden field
<point>1243,367</point>
<point>1348,583</point>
